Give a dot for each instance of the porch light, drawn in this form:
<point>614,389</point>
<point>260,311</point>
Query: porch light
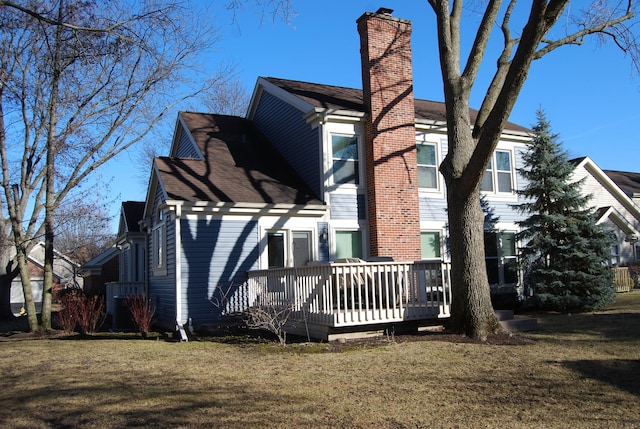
<point>324,236</point>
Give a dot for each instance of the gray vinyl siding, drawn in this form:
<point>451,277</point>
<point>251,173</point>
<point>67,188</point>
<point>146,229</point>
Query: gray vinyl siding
<point>285,127</point>
<point>215,253</point>
<point>186,148</point>
<point>348,206</point>
<point>433,209</point>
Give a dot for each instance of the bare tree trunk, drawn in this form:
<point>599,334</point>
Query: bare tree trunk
<point>29,303</point>
<point>472,312</point>
<point>49,205</point>
<point>8,272</point>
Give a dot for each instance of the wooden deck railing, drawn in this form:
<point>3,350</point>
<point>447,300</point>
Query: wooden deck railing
<point>348,294</point>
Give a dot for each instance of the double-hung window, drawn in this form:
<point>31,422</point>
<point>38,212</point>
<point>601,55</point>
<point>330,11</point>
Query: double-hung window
<point>427,165</point>
<point>345,159</point>
<point>499,175</point>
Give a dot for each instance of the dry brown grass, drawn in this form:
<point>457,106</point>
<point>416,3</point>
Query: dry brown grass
<point>580,371</point>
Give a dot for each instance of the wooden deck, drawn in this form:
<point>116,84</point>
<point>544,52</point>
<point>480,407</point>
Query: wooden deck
<point>338,298</point>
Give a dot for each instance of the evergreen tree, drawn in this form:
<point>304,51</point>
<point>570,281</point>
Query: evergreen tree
<point>566,253</point>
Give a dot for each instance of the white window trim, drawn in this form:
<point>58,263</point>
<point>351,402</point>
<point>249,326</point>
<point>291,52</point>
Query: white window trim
<point>364,235</point>
<point>495,194</point>
<point>361,177</point>
<point>263,260</point>
<point>434,139</point>
<point>441,236</point>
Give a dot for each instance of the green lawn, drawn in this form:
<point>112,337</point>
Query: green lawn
<point>578,371</point>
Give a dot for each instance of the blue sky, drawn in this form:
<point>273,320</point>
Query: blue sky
<point>588,92</point>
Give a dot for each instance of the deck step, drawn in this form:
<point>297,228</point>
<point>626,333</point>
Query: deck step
<point>516,324</point>
<point>504,314</point>
<point>520,324</point>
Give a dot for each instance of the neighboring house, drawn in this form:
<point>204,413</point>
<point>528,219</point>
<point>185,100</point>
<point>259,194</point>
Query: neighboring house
<point>121,269</point>
<point>65,274</point>
<point>314,174</point>
<point>612,197</point>
<point>100,270</point>
<point>628,182</point>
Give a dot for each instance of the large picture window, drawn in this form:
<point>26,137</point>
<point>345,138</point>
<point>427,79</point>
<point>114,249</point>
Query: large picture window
<point>348,244</point>
<point>499,174</point>
<point>427,166</point>
<point>345,160</point>
<point>430,244</point>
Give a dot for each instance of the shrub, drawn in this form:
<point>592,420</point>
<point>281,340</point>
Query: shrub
<point>142,311</point>
<point>90,313</point>
<point>67,316</point>
<point>80,310</point>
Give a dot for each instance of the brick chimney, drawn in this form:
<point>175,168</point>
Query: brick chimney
<point>390,144</point>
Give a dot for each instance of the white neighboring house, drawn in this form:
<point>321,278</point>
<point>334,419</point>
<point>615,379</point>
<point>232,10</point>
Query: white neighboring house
<point>615,208</point>
<point>65,274</point>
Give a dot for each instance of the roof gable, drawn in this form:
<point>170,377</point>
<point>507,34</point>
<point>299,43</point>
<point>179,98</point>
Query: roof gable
<point>627,181</point>
<point>349,99</point>
<point>131,213</point>
<point>239,166</point>
<point>607,183</point>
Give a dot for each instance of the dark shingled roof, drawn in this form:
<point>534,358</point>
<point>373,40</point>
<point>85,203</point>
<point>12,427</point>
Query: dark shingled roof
<point>133,213</point>
<point>628,182</point>
<point>243,167</point>
<point>340,98</point>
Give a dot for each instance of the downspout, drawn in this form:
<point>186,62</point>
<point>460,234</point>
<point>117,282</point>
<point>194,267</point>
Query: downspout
<point>178,277</point>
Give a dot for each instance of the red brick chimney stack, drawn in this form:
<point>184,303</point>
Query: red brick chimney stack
<point>390,149</point>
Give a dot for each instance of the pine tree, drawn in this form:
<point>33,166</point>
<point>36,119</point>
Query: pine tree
<point>566,254</point>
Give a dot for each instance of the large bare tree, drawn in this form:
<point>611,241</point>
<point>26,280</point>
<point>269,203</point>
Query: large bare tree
<point>529,30</point>
<point>80,82</point>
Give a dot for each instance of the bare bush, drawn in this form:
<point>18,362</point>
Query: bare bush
<point>142,310</point>
<point>85,312</point>
<point>91,314</point>
<point>269,317</point>
<point>67,316</point>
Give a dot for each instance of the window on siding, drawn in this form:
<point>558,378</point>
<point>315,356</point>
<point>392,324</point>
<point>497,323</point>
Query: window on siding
<point>427,166</point>
<point>345,160</point>
<point>348,244</point>
<point>430,244</point>
<point>276,249</point>
<point>160,242</point>
<point>500,257</point>
<point>499,174</point>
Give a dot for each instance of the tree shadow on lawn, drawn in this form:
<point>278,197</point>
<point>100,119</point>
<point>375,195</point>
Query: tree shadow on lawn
<point>608,326</point>
<point>151,402</point>
<point>621,373</point>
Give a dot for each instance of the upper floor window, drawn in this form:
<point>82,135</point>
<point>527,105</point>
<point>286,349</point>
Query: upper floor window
<point>499,175</point>
<point>427,166</point>
<point>345,159</point>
